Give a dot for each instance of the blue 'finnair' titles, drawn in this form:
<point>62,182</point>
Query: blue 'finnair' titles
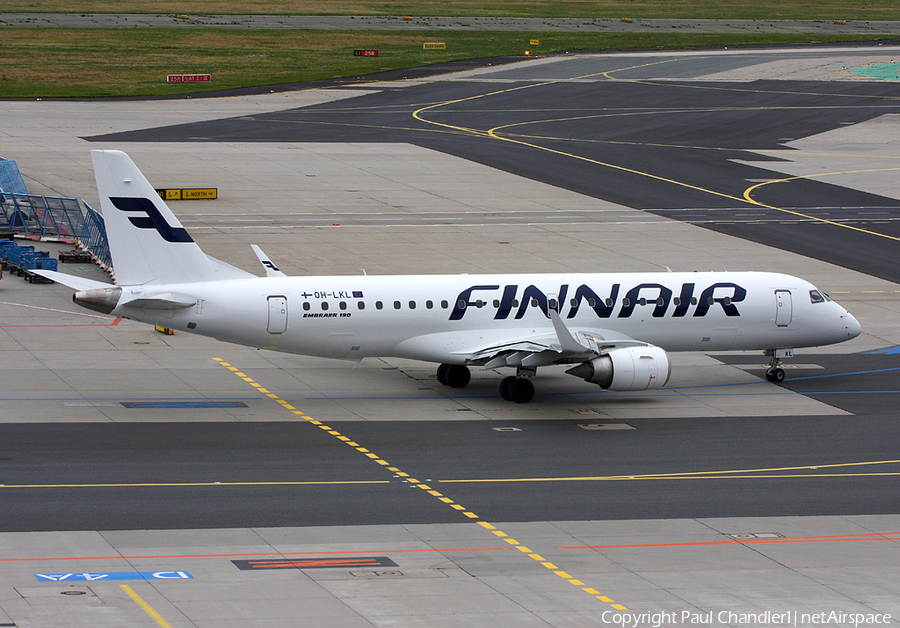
<point>722,293</point>
<point>610,329</point>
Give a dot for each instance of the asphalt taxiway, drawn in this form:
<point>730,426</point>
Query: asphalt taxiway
<point>379,497</point>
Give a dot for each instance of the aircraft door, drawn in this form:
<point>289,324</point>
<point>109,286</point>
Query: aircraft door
<point>277,315</point>
<point>783,308</point>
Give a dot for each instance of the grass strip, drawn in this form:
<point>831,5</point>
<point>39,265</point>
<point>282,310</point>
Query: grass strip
<point>675,9</point>
<point>88,63</point>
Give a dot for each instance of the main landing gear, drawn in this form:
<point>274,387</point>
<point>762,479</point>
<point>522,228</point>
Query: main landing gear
<point>454,375</point>
<point>518,388</point>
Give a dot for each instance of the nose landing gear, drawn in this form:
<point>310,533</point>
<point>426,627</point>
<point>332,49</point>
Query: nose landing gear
<point>775,372</point>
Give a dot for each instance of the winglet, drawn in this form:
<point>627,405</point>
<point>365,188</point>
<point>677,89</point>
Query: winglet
<point>271,269</point>
<point>567,341</point>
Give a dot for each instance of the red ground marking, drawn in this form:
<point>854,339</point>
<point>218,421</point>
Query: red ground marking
<point>845,538</point>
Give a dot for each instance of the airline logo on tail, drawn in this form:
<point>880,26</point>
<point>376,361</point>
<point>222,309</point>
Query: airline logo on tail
<point>152,220</point>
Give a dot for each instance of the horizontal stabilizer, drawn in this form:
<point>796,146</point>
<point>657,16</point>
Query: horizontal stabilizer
<point>78,283</point>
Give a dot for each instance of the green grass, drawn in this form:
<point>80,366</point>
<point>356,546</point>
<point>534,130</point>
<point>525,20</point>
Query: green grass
<point>84,63</point>
<point>711,9</point>
<point>78,63</point>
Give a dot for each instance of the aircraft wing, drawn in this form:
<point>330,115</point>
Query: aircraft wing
<point>559,346</point>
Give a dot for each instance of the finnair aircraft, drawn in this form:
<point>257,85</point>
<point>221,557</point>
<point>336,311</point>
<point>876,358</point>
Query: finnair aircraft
<point>614,329</point>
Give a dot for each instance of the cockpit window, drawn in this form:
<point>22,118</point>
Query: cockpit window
<point>816,296</point>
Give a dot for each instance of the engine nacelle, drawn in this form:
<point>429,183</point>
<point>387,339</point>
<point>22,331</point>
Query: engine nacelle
<point>102,300</point>
<point>628,368</point>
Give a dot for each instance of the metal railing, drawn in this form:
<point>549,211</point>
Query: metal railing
<point>93,236</point>
<point>54,217</point>
<point>57,218</point>
<point>11,180</point>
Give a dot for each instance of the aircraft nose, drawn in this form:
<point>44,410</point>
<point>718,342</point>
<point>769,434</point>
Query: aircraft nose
<point>851,325</point>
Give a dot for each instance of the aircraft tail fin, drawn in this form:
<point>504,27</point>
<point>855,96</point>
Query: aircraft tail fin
<point>147,243</point>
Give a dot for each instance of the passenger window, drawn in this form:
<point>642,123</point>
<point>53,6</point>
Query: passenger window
<point>412,305</point>
<point>396,305</point>
<point>378,305</point>
<point>626,302</point>
<point>461,304</point>
<point>429,304</point>
<point>642,301</point>
<point>343,305</point>
<point>361,305</point>
<point>609,302</point>
<point>324,305</point>
<point>444,304</point>
<point>306,305</point>
<point>479,303</point>
<point>676,301</point>
<point>496,302</point>
<point>693,300</point>
<point>534,303</point>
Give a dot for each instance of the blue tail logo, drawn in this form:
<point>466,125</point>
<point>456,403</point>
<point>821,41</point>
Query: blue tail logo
<point>152,220</point>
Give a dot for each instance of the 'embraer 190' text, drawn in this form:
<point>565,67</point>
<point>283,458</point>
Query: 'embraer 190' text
<point>511,301</point>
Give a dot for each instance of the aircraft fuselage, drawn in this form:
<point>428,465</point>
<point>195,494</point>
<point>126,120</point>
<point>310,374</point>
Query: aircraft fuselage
<point>352,317</point>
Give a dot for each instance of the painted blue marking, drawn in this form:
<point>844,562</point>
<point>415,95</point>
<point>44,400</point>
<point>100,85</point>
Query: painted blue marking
<point>660,393</point>
<point>184,404</point>
<point>117,575</point>
<point>114,400</point>
<point>888,351</point>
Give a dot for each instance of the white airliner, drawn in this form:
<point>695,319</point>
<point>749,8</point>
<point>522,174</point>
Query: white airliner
<point>615,328</point>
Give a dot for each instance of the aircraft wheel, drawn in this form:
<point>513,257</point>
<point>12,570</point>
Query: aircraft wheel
<point>505,385</point>
<point>775,375</point>
<point>458,376</point>
<point>442,373</point>
<point>521,390</point>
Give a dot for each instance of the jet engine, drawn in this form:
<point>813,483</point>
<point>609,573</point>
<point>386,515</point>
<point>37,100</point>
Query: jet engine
<point>102,300</point>
<point>628,368</point>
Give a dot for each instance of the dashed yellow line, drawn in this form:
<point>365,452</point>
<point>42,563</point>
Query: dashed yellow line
<point>146,607</point>
<point>440,497</point>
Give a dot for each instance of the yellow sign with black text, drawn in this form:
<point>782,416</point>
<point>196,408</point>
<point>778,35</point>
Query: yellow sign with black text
<point>434,45</point>
<point>188,194</point>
